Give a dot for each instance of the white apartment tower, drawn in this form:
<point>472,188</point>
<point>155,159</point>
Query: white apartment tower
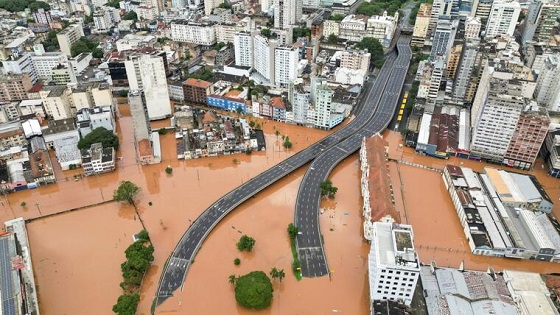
<point>495,124</point>
<point>547,91</point>
<point>243,46</point>
<point>287,13</point>
<point>69,36</point>
<point>323,98</point>
<point>393,265</point>
<point>503,18</point>
<point>443,38</point>
<point>285,65</point>
<point>472,28</point>
<point>263,57</point>
<point>147,73</point>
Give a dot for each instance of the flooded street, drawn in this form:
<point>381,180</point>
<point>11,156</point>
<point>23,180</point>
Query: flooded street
<point>77,255</point>
<point>266,218</point>
<point>438,234</point>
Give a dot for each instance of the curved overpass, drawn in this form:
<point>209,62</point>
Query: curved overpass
<point>178,263</point>
<point>386,96</point>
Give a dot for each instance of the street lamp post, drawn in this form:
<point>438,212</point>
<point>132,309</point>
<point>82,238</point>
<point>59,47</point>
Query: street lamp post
<point>39,209</point>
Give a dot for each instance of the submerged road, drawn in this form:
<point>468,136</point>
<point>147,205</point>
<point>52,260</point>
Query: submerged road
<point>178,263</point>
<point>384,97</point>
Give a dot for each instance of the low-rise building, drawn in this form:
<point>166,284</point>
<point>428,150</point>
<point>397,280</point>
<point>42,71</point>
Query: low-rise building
<point>63,136</point>
<point>98,160</point>
<point>494,209</point>
<point>11,135</point>
<point>196,90</point>
<point>89,119</point>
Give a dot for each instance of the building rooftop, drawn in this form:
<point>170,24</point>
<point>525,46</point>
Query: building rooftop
<point>392,245</point>
<point>58,126</point>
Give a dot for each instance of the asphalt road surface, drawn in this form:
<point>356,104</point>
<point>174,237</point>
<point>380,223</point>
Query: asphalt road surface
<point>178,263</point>
<point>384,98</point>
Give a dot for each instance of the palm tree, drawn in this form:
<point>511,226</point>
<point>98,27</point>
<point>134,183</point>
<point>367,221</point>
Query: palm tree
<point>232,279</point>
<point>281,274</point>
<point>274,273</point>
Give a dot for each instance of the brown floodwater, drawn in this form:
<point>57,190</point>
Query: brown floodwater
<point>77,256</point>
<point>438,234</point>
<point>266,218</point>
<point>71,239</point>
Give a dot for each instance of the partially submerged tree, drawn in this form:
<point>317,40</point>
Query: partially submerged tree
<point>126,192</point>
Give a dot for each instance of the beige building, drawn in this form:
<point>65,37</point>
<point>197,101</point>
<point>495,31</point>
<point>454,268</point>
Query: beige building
<point>421,25</point>
<point>56,100</point>
<point>14,87</point>
<point>11,135</point>
<point>69,36</point>
<point>62,75</point>
<point>472,28</point>
<point>453,61</point>
<point>355,59</point>
<point>330,27</point>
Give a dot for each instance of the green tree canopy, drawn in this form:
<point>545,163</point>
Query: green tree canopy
<point>85,45</point>
<point>254,290</point>
<point>131,16</point>
<point>333,39</point>
<point>126,191</point>
<point>292,231</point>
<point>100,134</point>
<point>126,304</point>
<point>246,243</point>
<point>34,6</point>
<point>115,4</point>
<point>373,46</point>
<point>337,17</point>
<point>301,32</point>
<point>266,32</point>
<point>327,189</point>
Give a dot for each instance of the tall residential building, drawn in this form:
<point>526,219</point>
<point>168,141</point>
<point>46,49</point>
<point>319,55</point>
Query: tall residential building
<point>465,69</point>
<point>442,9</point>
<point>210,5</point>
<point>263,57</point>
<point>503,18</point>
<point>300,100</point>
<point>548,19</point>
<point>69,36</point>
<point>481,9</point>
<point>472,28</point>
<point>528,137</point>
<point>421,24</point>
<point>14,87</point>
<point>56,100</point>
<point>530,21</point>
<point>42,16</point>
<point>355,59</point>
<point>547,92</point>
<point>147,73</point>
<point>393,264</point>
<point>287,13</point>
<point>286,61</point>
<point>194,33</point>
<point>323,108</point>
<point>443,38</point>
<point>141,123</point>
<point>495,124</point>
<point>453,60</point>
<point>243,47</point>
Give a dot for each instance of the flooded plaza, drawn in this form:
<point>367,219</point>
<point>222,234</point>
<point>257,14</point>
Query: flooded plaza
<point>77,255</point>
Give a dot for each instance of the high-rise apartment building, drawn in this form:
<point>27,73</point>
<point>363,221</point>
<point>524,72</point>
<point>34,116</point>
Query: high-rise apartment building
<point>42,16</point>
<point>548,19</point>
<point>393,264</point>
<point>481,9</point>
<point>421,24</point>
<point>495,124</point>
<point>192,32</point>
<point>243,47</point>
<point>323,107</point>
<point>14,87</point>
<point>547,92</point>
<point>147,73</point>
<point>472,28</point>
<point>285,65</point>
<point>465,69</point>
<point>528,137</point>
<point>503,18</point>
<point>69,36</point>
<point>443,38</point>
<point>442,9</point>
<point>300,100</point>
<point>263,57</point>
<point>287,13</point>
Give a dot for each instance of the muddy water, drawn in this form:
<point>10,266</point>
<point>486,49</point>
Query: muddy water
<point>77,256</point>
<point>438,233</point>
<point>265,218</point>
